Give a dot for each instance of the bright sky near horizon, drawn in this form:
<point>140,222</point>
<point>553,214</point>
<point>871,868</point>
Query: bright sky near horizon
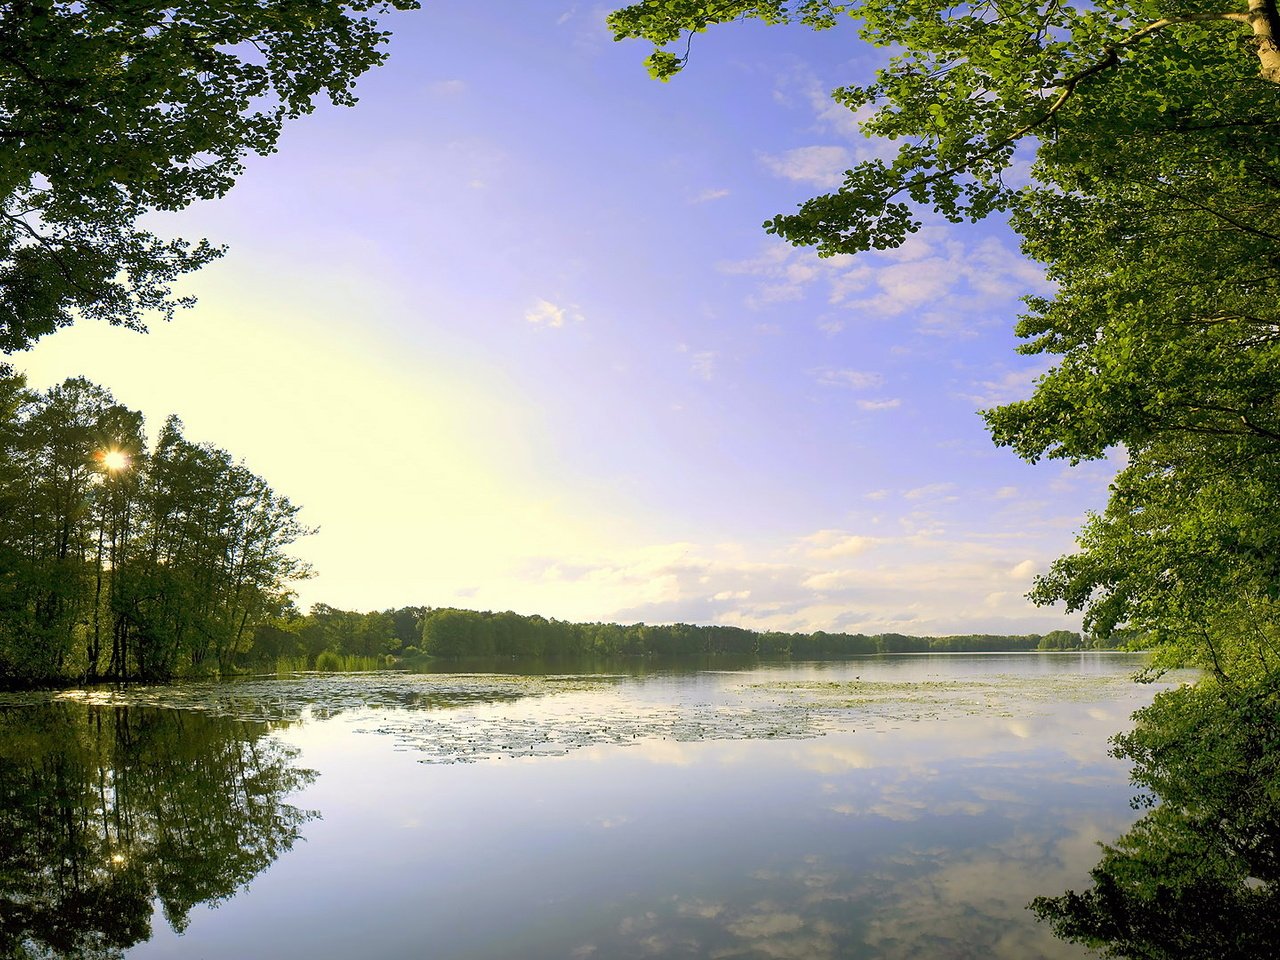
<point>511,333</point>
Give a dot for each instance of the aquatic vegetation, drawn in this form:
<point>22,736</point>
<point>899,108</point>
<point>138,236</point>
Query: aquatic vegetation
<point>465,718</point>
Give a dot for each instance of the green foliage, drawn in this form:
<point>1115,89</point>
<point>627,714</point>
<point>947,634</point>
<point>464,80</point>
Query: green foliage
<point>329,662</point>
<point>1197,877</point>
<point>287,666</point>
<point>124,562</point>
<point>368,639</point>
<point>1061,640</point>
<point>451,633</point>
<point>964,85</point>
<point>666,21</point>
<point>109,111</point>
<point>1154,204</point>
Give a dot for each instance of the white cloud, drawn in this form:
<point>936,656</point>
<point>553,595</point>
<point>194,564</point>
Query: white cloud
<point>821,166</point>
<point>852,379</point>
<point>831,579</point>
<point>784,272</point>
<point>834,118</point>
<point>930,491</point>
<point>836,543</point>
<point>703,364</point>
<point>936,280</point>
<point>447,88</point>
<point>1024,570</point>
<point>922,581</point>
<point>874,405</point>
<point>544,313</point>
<point>838,118</point>
<point>1011,385</point>
<point>706,196</point>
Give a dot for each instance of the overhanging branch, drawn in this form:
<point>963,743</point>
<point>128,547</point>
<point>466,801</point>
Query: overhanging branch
<point>1109,58</point>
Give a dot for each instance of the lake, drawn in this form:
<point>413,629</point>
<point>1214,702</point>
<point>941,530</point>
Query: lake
<point>887,807</point>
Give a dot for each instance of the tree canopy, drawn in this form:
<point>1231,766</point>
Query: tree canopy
<point>1135,147</point>
<point>968,83</point>
<point>126,562</point>
<point>111,110</point>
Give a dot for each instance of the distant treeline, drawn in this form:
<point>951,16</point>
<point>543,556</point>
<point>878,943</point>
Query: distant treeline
<point>466,633</point>
<point>450,633</point>
<point>329,632</point>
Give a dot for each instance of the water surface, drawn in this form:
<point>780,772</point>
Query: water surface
<point>897,806</point>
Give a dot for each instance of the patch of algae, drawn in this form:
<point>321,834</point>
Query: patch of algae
<point>999,695</point>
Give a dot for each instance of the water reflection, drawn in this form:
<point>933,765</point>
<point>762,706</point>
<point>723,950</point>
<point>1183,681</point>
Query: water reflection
<point>481,717</point>
<point>888,808</point>
<point>105,811</point>
<point>1197,876</point>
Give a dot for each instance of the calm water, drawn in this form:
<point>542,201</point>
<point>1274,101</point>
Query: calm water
<point>888,807</point>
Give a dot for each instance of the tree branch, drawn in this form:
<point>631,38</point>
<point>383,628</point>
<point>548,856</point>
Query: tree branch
<point>1110,57</point>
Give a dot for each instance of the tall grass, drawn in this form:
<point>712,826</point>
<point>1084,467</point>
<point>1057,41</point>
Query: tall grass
<point>288,665</point>
<point>328,662</point>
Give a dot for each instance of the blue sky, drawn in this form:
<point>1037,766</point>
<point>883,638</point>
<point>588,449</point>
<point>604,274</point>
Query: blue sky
<point>511,332</point>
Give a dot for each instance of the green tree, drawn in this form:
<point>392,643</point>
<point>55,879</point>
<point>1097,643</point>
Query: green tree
<point>447,632</point>
<point>55,497</point>
<point>967,84</point>
<point>210,560</point>
<point>126,562</point>
<point>110,110</point>
<point>1060,640</point>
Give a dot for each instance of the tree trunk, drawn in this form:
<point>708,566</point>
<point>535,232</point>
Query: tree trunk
<point>1265,21</point>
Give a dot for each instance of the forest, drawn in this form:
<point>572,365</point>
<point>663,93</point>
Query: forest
<point>466,633</point>
<point>328,638</point>
<point>121,560</point>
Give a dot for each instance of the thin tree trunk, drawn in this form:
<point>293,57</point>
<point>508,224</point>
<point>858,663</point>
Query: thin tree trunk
<point>95,644</point>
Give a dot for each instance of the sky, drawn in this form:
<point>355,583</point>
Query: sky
<point>511,332</point>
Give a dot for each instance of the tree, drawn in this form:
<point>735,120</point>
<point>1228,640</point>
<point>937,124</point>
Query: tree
<point>208,564</point>
<point>55,506</point>
<point>147,560</point>
<point>1154,204</point>
<point>971,82</point>
<point>111,110</point>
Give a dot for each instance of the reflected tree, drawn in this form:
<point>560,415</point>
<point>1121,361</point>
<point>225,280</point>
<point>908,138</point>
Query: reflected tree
<point>105,810</point>
<point>1196,877</point>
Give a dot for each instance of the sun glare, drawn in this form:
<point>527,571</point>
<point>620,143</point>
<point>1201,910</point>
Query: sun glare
<point>115,460</point>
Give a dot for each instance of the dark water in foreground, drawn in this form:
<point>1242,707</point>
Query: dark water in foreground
<point>892,807</point>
